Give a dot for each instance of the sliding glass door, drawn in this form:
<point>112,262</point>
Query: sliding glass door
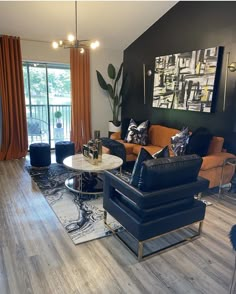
<point>48,102</point>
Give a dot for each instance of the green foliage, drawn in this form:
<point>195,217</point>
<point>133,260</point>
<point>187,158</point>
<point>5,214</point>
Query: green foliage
<point>111,71</point>
<point>58,114</point>
<point>115,91</point>
<point>101,81</point>
<point>59,84</point>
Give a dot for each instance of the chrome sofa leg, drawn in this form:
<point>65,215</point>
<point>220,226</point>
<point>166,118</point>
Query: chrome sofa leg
<point>140,250</point>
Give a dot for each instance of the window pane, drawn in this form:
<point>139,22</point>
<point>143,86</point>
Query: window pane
<point>48,102</point>
<point>59,86</point>
<point>38,86</point>
<point>25,75</point>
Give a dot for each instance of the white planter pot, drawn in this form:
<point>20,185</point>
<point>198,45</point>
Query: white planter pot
<point>112,128</point>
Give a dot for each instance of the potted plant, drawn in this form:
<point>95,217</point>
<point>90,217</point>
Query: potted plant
<point>115,92</point>
<point>58,115</point>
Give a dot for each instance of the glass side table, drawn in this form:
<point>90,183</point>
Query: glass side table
<point>232,162</point>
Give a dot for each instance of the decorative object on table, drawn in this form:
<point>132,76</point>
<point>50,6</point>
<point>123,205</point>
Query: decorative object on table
<point>137,134</point>
<point>64,149</point>
<point>82,218</point>
<point>187,81</point>
<point>40,155</point>
<point>232,236</point>
<point>115,91</point>
<point>93,149</point>
<point>180,141</point>
<point>98,143</point>
<point>90,152</point>
<point>73,41</point>
<point>58,116</point>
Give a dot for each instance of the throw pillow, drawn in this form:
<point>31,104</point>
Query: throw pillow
<point>162,153</point>
<point>124,127</point>
<point>180,141</point>
<point>137,134</point>
<point>199,142</point>
<point>143,155</point>
<point>125,124</point>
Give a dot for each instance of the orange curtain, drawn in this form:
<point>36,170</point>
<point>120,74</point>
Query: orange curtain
<point>14,126</point>
<point>80,90</point>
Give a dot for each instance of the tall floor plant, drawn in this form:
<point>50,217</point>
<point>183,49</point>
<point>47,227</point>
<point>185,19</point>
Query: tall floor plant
<point>115,90</point>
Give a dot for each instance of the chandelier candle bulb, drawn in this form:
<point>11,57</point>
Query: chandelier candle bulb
<point>71,38</point>
<point>55,45</point>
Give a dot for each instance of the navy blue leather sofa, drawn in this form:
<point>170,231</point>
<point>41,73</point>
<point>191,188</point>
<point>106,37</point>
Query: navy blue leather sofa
<point>163,201</point>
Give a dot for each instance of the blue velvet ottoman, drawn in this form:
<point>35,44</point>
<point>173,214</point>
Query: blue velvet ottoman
<point>64,149</point>
<point>40,155</point>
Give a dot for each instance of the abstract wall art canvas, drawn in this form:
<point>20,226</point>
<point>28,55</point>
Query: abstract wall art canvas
<point>187,81</point>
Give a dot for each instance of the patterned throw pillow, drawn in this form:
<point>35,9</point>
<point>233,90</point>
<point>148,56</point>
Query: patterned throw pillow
<point>143,155</point>
<point>162,153</point>
<point>180,141</point>
<point>137,134</point>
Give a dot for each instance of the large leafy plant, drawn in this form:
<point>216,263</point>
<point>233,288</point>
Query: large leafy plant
<point>114,90</point>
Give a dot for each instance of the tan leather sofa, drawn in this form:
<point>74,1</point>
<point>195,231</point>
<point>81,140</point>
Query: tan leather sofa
<point>160,136</point>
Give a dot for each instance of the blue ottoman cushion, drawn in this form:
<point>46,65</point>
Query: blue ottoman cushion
<point>64,149</point>
<point>40,155</point>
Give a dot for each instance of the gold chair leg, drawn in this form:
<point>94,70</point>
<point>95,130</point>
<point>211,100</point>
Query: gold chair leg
<point>200,227</point>
<point>105,217</point>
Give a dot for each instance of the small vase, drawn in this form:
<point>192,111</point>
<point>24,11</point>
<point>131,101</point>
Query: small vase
<point>112,128</point>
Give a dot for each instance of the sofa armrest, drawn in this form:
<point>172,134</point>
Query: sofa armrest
<point>112,182</point>
<point>150,199</point>
<point>215,160</point>
<point>116,136</point>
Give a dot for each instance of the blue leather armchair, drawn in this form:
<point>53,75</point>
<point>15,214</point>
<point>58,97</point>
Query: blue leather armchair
<point>163,201</point>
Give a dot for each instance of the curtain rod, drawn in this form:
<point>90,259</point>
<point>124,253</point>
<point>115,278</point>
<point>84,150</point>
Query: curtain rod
<point>31,40</point>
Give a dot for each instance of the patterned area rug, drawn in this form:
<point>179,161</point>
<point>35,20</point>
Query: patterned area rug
<point>82,217</point>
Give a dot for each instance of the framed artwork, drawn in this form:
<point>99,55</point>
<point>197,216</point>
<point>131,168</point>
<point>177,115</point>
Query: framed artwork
<point>187,81</point>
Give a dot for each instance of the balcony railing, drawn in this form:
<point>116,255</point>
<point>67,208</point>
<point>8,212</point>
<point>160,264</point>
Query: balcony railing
<point>47,119</point>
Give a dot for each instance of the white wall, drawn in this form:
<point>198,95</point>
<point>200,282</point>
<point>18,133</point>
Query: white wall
<point>100,107</point>
<point>39,51</point>
<point>99,60</point>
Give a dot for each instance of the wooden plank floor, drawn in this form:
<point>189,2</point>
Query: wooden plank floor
<point>37,256</point>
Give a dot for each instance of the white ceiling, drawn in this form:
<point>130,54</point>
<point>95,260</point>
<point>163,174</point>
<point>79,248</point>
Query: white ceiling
<point>115,24</point>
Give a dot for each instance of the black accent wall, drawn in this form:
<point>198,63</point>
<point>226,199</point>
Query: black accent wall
<point>187,26</point>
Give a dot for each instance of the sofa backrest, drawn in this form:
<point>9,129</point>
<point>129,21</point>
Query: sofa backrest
<point>216,145</point>
<point>163,173</point>
<point>160,135</point>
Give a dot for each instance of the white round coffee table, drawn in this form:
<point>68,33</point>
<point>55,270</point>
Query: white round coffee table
<point>87,182</point>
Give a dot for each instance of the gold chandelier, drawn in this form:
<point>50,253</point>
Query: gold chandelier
<point>73,42</point>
